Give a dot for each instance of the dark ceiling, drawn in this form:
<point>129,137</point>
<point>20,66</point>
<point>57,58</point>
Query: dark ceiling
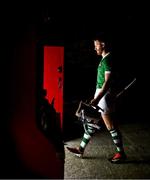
<point>79,19</point>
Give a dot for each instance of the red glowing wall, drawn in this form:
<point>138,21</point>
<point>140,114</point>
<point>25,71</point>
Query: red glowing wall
<point>53,76</point>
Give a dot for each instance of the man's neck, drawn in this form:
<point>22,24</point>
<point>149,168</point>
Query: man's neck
<point>104,54</point>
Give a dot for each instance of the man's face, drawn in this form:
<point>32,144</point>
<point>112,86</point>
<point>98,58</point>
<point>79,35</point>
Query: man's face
<point>98,47</point>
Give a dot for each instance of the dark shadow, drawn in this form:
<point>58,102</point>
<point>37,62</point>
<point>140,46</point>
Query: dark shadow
<point>137,161</point>
<point>93,157</point>
<point>146,160</point>
<point>72,131</point>
<point>72,128</point>
<point>48,122</point>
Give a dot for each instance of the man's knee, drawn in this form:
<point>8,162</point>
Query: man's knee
<point>90,130</point>
<point>108,121</point>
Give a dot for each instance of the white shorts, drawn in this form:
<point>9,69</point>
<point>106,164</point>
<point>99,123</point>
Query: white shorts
<point>107,102</point>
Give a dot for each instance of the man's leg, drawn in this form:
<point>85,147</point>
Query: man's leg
<point>116,138</point>
<point>85,140</point>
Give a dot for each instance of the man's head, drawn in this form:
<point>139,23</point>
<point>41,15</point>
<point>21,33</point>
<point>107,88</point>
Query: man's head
<point>102,43</point>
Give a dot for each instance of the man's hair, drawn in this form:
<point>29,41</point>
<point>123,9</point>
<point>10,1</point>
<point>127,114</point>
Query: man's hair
<point>104,37</point>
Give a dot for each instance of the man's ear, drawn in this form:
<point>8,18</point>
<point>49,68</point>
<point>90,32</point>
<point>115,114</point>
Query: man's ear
<point>103,44</point>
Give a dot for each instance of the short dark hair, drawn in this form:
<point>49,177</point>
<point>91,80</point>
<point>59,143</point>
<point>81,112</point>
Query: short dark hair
<point>104,37</point>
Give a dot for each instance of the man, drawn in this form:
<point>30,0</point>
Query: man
<point>104,98</point>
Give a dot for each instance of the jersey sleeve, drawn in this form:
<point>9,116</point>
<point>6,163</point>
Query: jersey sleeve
<point>107,65</point>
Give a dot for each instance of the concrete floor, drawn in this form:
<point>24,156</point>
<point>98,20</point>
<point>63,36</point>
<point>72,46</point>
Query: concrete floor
<point>94,164</point>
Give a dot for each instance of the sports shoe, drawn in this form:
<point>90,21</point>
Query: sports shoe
<point>76,151</point>
<point>118,158</point>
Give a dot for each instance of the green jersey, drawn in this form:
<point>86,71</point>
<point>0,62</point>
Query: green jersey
<point>104,65</point>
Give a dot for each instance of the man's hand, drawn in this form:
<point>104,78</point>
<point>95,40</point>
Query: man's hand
<point>94,102</point>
